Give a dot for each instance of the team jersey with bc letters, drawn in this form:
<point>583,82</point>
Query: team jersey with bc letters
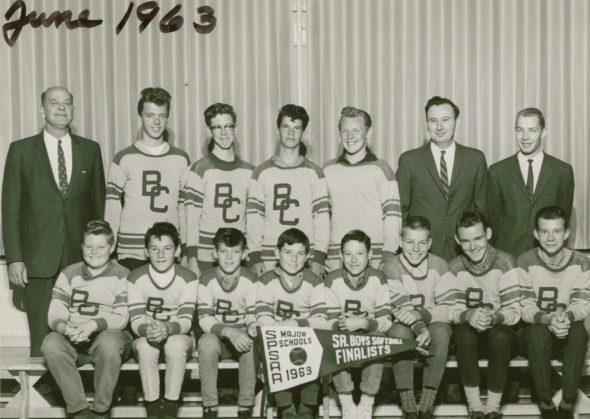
<point>305,303</point>
<point>151,188</point>
<point>216,194</point>
<point>282,197</point>
<point>497,289</point>
<point>78,297</point>
<point>370,299</point>
<point>173,304</point>
<point>363,196</point>
<point>546,289</point>
<point>221,307</point>
<point>426,289</point>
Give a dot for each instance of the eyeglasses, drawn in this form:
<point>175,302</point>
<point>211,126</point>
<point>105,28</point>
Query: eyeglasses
<point>218,128</point>
<point>154,116</point>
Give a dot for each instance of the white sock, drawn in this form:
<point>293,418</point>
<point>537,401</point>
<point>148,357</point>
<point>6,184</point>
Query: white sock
<point>367,400</point>
<point>493,404</point>
<point>346,400</point>
<point>473,399</point>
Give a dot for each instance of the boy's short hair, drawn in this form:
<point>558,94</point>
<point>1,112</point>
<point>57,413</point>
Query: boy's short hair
<point>98,227</point>
<point>229,236</point>
<point>155,95</point>
<point>160,229</point>
<point>294,112</point>
<point>356,235</point>
<point>352,112</point>
<point>219,109</point>
<point>469,219</point>
<point>416,222</point>
<point>553,212</point>
<point>293,236</point>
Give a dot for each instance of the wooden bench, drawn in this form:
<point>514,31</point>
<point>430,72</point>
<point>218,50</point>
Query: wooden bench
<point>28,403</point>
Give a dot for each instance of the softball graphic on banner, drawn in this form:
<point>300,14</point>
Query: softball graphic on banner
<point>296,355</point>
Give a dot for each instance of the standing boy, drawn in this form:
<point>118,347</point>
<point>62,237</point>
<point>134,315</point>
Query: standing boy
<point>146,181</point>
<point>162,299</point>
<point>555,284</point>
<point>422,298</point>
<point>363,191</point>
<point>487,310</point>
<point>287,191</point>
<point>357,300</point>
<point>226,304</point>
<point>291,295</point>
<point>87,315</point>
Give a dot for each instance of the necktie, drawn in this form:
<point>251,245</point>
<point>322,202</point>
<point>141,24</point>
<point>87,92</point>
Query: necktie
<point>61,169</point>
<point>530,180</point>
<point>444,177</point>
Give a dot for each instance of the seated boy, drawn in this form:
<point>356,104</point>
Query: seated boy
<point>486,312</point>
<point>422,297</point>
<point>226,304</point>
<point>162,299</point>
<point>291,295</point>
<point>87,313</point>
<point>555,283</point>
<point>357,300</point>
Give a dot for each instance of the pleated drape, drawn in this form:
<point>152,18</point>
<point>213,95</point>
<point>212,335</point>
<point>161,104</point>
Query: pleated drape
<point>492,57</point>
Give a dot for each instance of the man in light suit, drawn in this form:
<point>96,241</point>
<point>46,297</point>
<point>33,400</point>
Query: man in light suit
<point>53,185</point>
<point>522,184</point>
<point>442,179</point>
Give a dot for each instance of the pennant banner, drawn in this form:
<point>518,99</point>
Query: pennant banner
<point>296,355</point>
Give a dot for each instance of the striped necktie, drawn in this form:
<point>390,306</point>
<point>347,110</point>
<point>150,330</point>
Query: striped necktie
<point>530,180</point>
<point>61,169</point>
<point>444,177</point>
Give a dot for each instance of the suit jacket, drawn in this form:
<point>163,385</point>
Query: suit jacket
<point>421,192</point>
<point>512,213</point>
<point>40,226</point>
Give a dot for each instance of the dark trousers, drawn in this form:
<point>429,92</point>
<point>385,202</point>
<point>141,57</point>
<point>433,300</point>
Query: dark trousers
<point>308,392</point>
<point>37,297</point>
<point>541,346</point>
<point>496,344</point>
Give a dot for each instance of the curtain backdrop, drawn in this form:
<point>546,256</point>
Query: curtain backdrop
<point>492,57</point>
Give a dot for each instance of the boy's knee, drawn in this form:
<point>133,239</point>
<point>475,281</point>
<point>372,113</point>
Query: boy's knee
<point>400,331</point>
<point>110,346</point>
<point>53,344</point>
<point>208,344</point>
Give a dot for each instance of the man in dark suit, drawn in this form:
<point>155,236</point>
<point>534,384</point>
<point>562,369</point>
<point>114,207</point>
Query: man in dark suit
<point>522,184</point>
<point>53,185</point>
<point>442,179</point>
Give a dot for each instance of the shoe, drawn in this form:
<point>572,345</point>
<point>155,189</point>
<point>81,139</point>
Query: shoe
<point>548,413</point>
<point>425,415</point>
<point>364,411</point>
<point>349,412</point>
<point>411,415</point>
<point>563,413</point>
<point>287,412</point>
<point>97,415</point>
<point>477,415</point>
<point>245,414</point>
<point>209,413</point>
<point>82,414</point>
<point>128,395</point>
<point>494,415</point>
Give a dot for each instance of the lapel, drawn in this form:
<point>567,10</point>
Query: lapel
<point>514,171</point>
<point>42,157</point>
<point>76,153</point>
<point>544,176</point>
<point>457,164</point>
<point>428,160</point>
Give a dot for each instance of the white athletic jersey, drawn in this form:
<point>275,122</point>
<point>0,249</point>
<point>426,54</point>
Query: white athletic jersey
<point>78,297</point>
<point>547,289</point>
<point>370,299</point>
<point>216,194</point>
<point>219,307</point>
<point>497,289</point>
<point>143,189</point>
<point>363,196</point>
<point>426,290</point>
<point>284,197</point>
<point>174,304</point>
<point>305,304</point>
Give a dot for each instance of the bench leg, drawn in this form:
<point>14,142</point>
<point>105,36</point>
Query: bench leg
<point>326,395</point>
<point>27,397</point>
